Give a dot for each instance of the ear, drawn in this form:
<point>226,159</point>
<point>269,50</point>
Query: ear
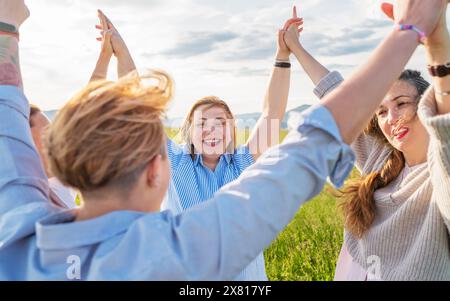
<point>154,170</point>
<point>388,10</point>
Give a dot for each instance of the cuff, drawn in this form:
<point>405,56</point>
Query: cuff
<point>13,97</point>
<point>319,117</point>
<point>328,83</point>
<point>438,126</point>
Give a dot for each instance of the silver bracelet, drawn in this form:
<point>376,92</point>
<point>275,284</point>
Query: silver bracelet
<point>443,93</point>
<point>283,61</point>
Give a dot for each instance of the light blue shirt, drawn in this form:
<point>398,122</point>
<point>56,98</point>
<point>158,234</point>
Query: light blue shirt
<point>39,243</point>
<point>194,183</point>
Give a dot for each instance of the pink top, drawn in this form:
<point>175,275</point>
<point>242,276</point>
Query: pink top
<point>347,269</point>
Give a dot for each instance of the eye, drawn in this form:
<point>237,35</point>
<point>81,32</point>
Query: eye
<point>402,104</point>
<point>381,113</point>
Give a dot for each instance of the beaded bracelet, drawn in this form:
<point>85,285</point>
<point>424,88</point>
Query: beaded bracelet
<point>7,29</point>
<point>422,36</point>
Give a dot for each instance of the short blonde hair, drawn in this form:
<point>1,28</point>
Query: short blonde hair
<point>108,132</point>
<point>209,102</point>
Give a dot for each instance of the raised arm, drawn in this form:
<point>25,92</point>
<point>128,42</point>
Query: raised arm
<point>12,13</point>
<point>438,53</point>
<point>265,133</point>
<point>434,112</point>
<point>112,43</point>
<point>315,70</point>
<point>23,183</point>
<point>101,68</point>
<point>125,62</point>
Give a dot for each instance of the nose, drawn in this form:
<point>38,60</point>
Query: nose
<point>209,129</point>
<point>392,117</point>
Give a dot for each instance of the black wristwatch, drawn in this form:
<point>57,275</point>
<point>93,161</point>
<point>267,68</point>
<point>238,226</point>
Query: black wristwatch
<point>440,70</point>
<point>5,27</point>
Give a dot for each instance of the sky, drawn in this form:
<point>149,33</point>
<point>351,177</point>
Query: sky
<point>209,47</point>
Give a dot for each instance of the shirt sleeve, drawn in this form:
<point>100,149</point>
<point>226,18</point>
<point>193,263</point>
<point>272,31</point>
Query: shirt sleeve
<point>23,184</point>
<point>174,152</point>
<point>243,157</point>
<point>218,238</point>
<point>370,153</point>
<point>438,127</point>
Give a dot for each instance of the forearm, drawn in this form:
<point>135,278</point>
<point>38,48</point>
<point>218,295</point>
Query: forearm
<point>275,100</point>
<point>362,93</point>
<point>21,171</point>
<point>266,131</point>
<point>441,56</point>
<point>315,70</point>
<point>125,63</point>
<point>9,62</point>
<point>101,68</point>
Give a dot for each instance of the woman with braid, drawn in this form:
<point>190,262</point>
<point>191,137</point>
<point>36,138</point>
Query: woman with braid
<point>397,215</point>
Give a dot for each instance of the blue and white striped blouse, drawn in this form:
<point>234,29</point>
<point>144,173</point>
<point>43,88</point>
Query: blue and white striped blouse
<point>193,183</point>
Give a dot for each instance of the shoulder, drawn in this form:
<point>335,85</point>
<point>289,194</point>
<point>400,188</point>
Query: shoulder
<point>242,157</point>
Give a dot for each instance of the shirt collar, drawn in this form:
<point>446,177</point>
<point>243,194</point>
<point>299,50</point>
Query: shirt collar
<point>198,159</point>
<point>58,231</point>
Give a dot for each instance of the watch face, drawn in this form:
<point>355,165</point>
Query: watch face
<point>439,71</point>
<point>442,70</point>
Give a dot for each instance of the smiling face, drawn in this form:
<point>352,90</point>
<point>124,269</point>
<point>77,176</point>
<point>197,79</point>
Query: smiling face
<point>398,120</point>
<point>211,130</point>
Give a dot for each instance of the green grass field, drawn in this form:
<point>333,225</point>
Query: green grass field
<point>309,246</point>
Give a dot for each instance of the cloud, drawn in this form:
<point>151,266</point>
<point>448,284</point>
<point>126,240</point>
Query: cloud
<point>197,43</point>
<point>226,47</point>
<point>350,39</point>
<point>249,36</point>
<point>240,72</point>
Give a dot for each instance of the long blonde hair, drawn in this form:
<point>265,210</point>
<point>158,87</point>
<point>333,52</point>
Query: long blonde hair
<point>108,132</point>
<point>357,198</point>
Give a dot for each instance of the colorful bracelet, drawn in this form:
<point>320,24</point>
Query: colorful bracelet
<point>5,33</point>
<point>422,36</point>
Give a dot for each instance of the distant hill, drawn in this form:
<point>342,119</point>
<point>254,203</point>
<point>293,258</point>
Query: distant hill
<point>51,114</point>
<point>247,120</point>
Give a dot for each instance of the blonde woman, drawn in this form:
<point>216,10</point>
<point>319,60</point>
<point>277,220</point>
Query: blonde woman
<point>108,141</point>
<point>397,216</point>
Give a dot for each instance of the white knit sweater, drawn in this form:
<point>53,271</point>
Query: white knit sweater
<point>410,237</point>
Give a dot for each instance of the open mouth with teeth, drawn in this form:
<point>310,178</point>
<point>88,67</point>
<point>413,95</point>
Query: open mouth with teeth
<point>212,142</point>
<point>400,133</point>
